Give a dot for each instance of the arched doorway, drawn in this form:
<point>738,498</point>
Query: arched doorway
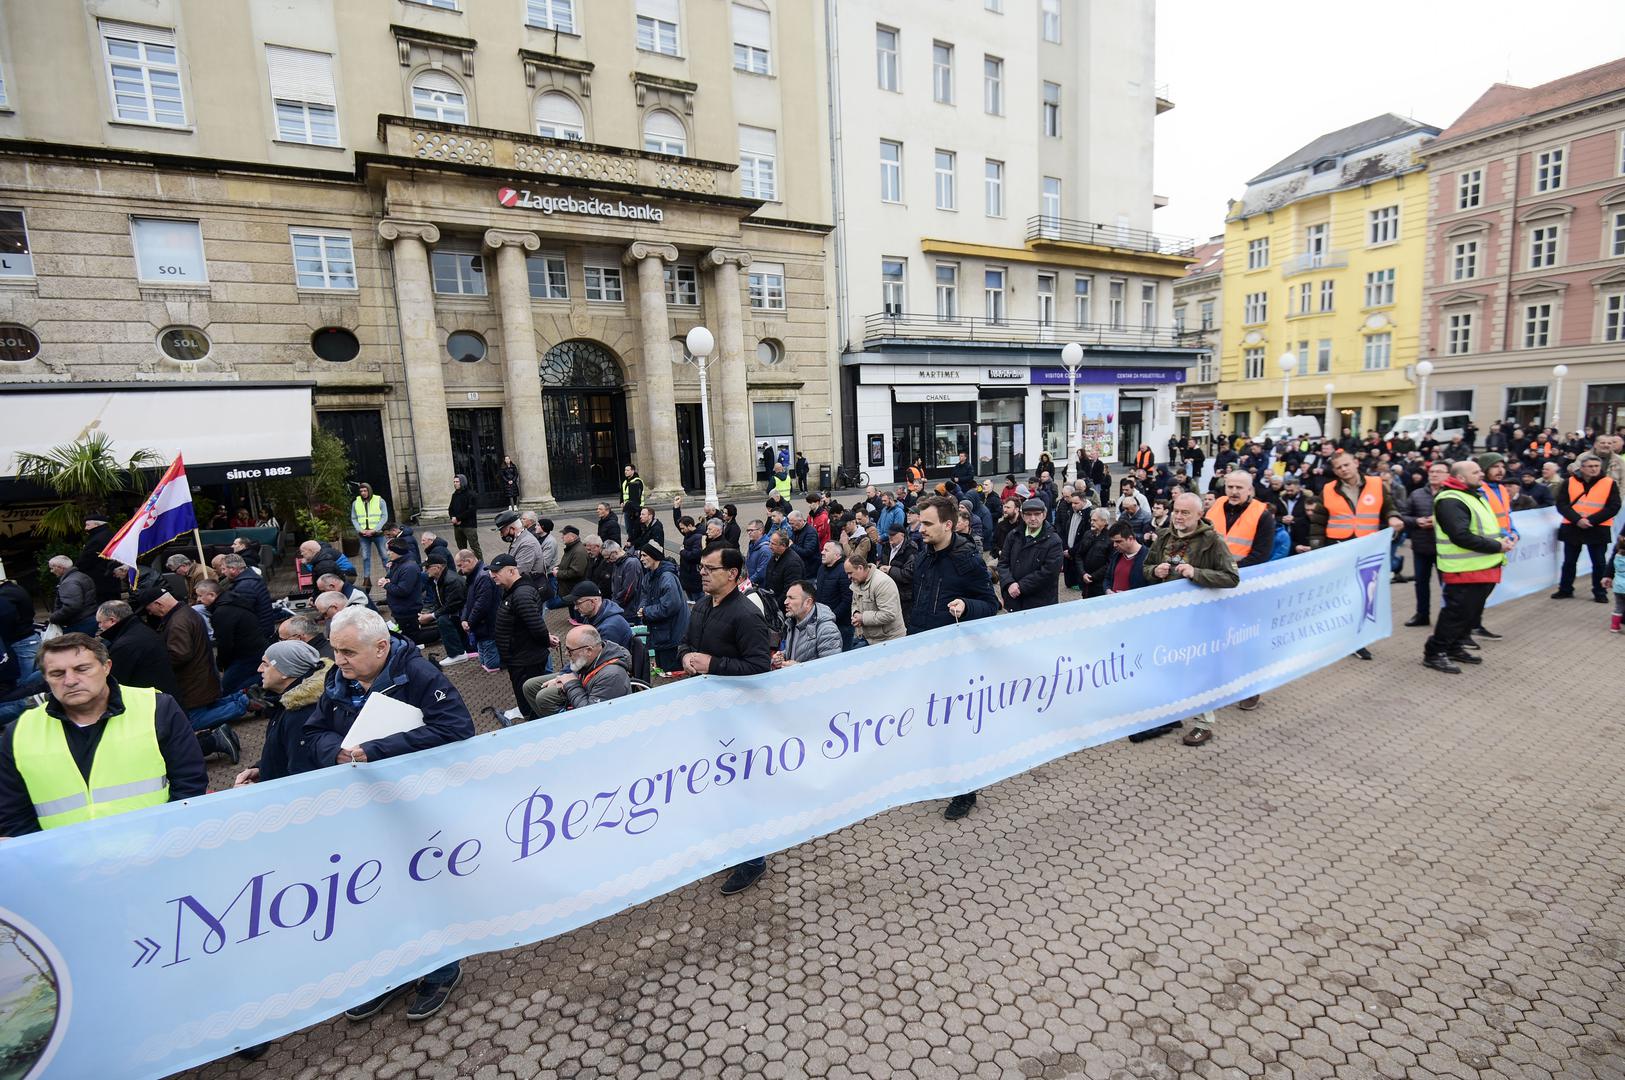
<point>584,407</point>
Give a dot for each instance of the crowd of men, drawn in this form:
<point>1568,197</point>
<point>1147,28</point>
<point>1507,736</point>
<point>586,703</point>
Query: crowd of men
<point>119,705</point>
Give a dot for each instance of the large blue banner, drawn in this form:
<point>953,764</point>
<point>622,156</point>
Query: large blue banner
<point>143,944</point>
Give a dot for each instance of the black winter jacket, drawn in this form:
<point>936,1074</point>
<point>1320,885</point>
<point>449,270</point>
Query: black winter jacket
<point>521,632</point>
<point>480,606</point>
<point>733,633</point>
<point>252,586</point>
<point>955,573</point>
<point>407,677</point>
<point>138,654</point>
<point>1033,562</point>
<point>237,633</point>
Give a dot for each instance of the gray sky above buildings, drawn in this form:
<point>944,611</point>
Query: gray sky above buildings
<point>1252,80</point>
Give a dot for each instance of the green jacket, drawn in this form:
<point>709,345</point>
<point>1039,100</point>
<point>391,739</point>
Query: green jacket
<point>1204,549</point>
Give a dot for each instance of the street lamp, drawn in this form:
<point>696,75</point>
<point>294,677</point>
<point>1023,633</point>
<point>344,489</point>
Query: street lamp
<point>1557,395</point>
<point>1071,359</point>
<point>699,343</point>
<point>1286,363</point>
<point>1423,370</point>
<point>1326,428</point>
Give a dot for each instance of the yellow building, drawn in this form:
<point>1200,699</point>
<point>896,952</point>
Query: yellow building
<point>1323,261</point>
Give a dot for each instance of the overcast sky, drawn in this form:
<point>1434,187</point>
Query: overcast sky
<point>1253,80</point>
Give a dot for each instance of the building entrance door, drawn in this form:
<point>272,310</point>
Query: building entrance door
<point>690,448</point>
<point>362,433</point>
<point>584,411</point>
<point>476,452</point>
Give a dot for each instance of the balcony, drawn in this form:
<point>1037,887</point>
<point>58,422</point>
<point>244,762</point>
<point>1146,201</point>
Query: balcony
<point>1314,260</point>
<point>883,327</point>
<point>1044,229</point>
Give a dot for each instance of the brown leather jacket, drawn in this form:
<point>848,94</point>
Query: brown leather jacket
<point>186,640</point>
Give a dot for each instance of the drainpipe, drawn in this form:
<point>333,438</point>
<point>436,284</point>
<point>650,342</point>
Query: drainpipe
<point>837,197</point>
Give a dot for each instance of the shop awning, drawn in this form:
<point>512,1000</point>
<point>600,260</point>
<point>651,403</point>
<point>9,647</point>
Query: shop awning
<point>227,432</point>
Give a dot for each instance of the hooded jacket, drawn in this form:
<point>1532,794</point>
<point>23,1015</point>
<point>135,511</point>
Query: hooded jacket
<point>286,750</point>
<point>138,655</point>
<point>814,638</point>
<point>252,586</point>
<point>461,509</point>
<point>237,633</point>
<point>75,599</point>
<point>955,573</point>
<point>609,677</point>
<point>450,593</point>
<point>626,582</point>
<point>480,605</point>
<point>665,609</point>
<point>611,624</point>
<point>407,677</point>
<point>404,593</point>
<point>834,591</point>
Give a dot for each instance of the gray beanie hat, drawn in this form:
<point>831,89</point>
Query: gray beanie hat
<point>294,659</point>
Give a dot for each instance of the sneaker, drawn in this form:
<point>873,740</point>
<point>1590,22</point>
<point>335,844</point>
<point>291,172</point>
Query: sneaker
<point>1197,736</point>
<point>491,670</point>
<point>429,999</point>
<point>376,1005</point>
<point>743,877</point>
<point>959,806</point>
<point>453,661</point>
<point>228,742</point>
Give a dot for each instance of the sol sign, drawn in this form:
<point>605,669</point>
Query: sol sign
<point>17,343</point>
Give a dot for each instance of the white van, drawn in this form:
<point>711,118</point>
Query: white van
<point>1441,426</point>
<point>1289,427</point>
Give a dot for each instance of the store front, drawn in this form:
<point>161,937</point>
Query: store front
<point>1605,407</point>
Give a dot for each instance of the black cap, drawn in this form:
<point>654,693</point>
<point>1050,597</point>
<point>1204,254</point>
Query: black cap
<point>501,562</point>
<point>586,588</point>
<point>506,518</point>
<point>653,549</point>
<point>146,595</point>
<point>896,527</point>
<point>570,529</point>
<point>399,546</point>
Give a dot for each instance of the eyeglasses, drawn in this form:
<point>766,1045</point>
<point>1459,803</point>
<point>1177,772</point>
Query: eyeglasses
<point>577,649</point>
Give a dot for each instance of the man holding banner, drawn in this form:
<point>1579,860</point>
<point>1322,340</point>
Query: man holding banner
<point>1351,506</point>
<point>1194,550</point>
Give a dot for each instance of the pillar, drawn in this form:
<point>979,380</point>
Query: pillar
<point>421,355</point>
<point>521,369</point>
<point>737,455</point>
<point>657,441</point>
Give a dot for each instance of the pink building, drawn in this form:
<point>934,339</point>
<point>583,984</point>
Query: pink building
<point>1523,310</point>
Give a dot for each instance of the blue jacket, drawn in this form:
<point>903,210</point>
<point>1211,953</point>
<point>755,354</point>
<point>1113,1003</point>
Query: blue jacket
<point>891,515</point>
<point>411,539</point>
<point>835,591</point>
<point>611,624</point>
<point>804,541</point>
<point>757,557</point>
<point>407,677</point>
<point>957,573</point>
<point>665,608</point>
<point>405,591</point>
<point>480,605</point>
<point>252,586</point>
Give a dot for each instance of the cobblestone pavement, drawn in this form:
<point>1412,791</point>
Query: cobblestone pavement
<point>1381,872</point>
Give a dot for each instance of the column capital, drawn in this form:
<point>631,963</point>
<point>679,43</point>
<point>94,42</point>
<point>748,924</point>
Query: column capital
<point>499,238</point>
<point>722,256</point>
<point>648,249</point>
<point>393,229</point>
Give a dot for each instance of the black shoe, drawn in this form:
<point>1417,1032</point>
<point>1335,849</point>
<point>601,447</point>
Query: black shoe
<point>1563,594</point>
<point>1363,653</point>
<point>376,1005</point>
<point>1598,598</point>
<point>1440,663</point>
<point>1156,732</point>
<point>1418,620</point>
<point>430,998</point>
<point>743,877</point>
<point>255,1052</point>
<point>1488,635</point>
<point>229,743</point>
<point>1468,643</point>
<point>1462,656</point>
<point>1399,579</point>
<point>959,806</point>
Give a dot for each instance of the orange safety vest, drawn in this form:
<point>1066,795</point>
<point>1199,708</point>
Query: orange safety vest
<point>1145,459</point>
<point>1501,505</point>
<point>1240,536</point>
<point>1590,503</point>
<point>1344,522</point>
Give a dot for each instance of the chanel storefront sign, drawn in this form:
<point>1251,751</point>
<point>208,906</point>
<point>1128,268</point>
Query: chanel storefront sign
<point>523,199</point>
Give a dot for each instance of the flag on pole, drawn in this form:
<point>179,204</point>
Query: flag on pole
<point>166,514</point>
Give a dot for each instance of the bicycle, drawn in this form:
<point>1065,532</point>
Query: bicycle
<point>849,476</point>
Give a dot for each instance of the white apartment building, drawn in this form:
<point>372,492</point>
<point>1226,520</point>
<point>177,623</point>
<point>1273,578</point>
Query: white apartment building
<point>993,202</point>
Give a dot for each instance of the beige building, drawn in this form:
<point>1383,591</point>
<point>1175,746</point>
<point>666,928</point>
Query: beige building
<point>470,228</point>
<point>1198,319</point>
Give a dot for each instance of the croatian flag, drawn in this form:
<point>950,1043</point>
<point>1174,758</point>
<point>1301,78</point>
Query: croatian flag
<point>166,514</point>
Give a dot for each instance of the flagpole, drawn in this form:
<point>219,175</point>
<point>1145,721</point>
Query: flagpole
<point>199,538</point>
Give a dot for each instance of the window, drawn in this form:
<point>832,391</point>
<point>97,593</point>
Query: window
<point>1616,239</point>
<point>603,283</point>
<point>1148,304</point>
<point>465,346</point>
<point>1463,260</point>
<point>559,117</point>
<point>302,94</point>
<point>1542,246</point>
<point>323,259</point>
<point>1052,110</point>
<point>1046,299</point>
<point>551,15</point>
<point>1207,314</point>
<point>657,26</point>
<point>663,134</point>
<point>1323,357</point>
<point>547,277</point>
<point>993,85</point>
<point>942,73</point>
<point>1379,288</point>
<point>1303,358</point>
<point>682,286</point>
<point>886,58</point>
<point>1613,317</point>
<point>993,172</point>
<point>168,250</point>
<point>1049,204</point>
<point>444,5</point>
<point>947,291</point>
<point>891,171</point>
<point>1379,350</point>
<point>439,97</point>
<point>1470,189</point>
<point>1328,291</point>
<point>758,163</point>
<point>1306,298</point>
<point>892,286</point>
<point>995,6</point>
<point>767,286</point>
<point>1204,366</point>
<point>769,351</point>
<point>1179,319</point>
<point>1050,13</point>
<point>144,70</point>
<point>1384,226</point>
<point>1458,334</point>
<point>993,293</point>
<point>457,273</point>
<point>1537,325</point>
<point>1258,253</point>
<point>1314,243</point>
<point>1256,307</point>
<point>335,344</point>
<point>945,179</point>
<point>1252,363</point>
<point>1116,302</point>
<point>16,260</point>
<point>752,36</point>
<point>1549,169</point>
<point>1081,288</point>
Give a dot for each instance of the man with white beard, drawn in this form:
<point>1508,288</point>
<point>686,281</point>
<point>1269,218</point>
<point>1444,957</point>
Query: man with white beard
<point>599,670</point>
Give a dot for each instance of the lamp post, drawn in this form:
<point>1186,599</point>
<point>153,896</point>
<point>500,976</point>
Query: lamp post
<point>1286,363</point>
<point>699,343</point>
<point>1071,359</point>
<point>1326,429</point>
<point>1423,370</point>
<point>1557,395</point>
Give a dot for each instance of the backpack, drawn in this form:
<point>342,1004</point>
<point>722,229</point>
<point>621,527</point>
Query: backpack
<point>1283,544</point>
<point>344,564</point>
<point>772,611</point>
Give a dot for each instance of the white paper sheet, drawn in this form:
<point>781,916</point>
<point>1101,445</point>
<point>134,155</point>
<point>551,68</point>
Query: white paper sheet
<point>381,717</point>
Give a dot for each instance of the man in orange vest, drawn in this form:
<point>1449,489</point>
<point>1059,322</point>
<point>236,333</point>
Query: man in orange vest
<point>1248,529</point>
<point>1588,502</point>
<point>1351,506</point>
